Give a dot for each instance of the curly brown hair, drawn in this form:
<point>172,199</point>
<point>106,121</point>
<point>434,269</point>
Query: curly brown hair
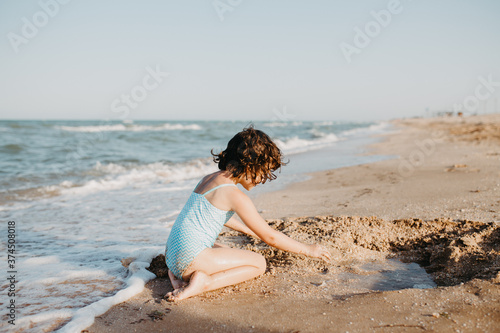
<point>250,152</point>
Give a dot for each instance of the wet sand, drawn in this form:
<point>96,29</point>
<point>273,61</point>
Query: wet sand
<point>437,205</point>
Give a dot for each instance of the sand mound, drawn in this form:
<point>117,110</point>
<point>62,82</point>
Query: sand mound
<point>452,252</point>
<point>476,129</point>
<point>476,132</point>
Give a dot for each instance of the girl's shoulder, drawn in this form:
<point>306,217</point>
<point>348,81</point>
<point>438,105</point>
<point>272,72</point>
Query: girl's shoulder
<point>205,184</point>
<point>222,195</point>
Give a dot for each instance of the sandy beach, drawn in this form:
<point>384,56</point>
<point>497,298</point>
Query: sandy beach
<point>436,204</point>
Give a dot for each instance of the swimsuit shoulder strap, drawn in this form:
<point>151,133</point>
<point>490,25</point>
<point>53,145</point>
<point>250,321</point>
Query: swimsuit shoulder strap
<point>216,187</point>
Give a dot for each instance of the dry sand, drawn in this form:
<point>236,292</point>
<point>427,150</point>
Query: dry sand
<point>437,204</point>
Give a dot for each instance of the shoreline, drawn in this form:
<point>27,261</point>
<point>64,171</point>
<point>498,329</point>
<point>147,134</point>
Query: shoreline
<point>449,178</point>
<point>302,166</point>
<point>427,160</point>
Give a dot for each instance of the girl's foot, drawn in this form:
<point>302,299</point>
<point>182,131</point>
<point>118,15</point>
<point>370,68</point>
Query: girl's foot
<point>176,283</point>
<point>197,284</point>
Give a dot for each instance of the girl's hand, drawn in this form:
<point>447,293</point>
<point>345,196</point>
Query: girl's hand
<point>318,251</point>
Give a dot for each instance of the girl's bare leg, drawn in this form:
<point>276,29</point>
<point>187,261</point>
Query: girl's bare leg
<point>176,283</point>
<point>215,268</point>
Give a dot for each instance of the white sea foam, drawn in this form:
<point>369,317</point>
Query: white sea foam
<point>118,177</point>
<point>378,127</point>
<point>282,124</point>
<point>296,145</point>
<point>42,260</point>
<point>66,275</point>
<point>129,127</point>
<point>324,123</point>
<point>85,317</point>
<point>109,168</point>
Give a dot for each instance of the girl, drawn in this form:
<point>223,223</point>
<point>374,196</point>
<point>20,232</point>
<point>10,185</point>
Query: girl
<point>196,263</point>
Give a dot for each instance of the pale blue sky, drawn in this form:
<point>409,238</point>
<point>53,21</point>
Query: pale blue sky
<point>264,55</point>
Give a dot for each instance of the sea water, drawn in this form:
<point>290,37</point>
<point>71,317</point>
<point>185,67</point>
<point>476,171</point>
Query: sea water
<point>86,194</point>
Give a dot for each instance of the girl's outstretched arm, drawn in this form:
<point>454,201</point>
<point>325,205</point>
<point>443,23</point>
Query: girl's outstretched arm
<point>246,210</point>
<point>234,224</point>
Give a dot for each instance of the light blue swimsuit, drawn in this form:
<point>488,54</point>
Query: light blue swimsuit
<point>195,229</point>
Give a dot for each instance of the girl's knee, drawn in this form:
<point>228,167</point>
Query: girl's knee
<point>261,264</point>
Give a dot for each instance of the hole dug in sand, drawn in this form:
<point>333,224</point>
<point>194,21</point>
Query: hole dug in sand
<point>382,275</point>
<point>371,254</point>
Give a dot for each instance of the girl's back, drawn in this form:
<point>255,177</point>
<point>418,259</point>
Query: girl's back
<point>196,228</point>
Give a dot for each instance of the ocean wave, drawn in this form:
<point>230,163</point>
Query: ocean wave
<point>377,127</point>
<point>316,133</point>
<point>20,125</point>
<point>11,148</point>
<point>117,176</point>
<point>324,123</point>
<point>282,124</point>
<point>111,176</point>
<point>10,199</point>
<point>129,127</point>
<point>297,145</point>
